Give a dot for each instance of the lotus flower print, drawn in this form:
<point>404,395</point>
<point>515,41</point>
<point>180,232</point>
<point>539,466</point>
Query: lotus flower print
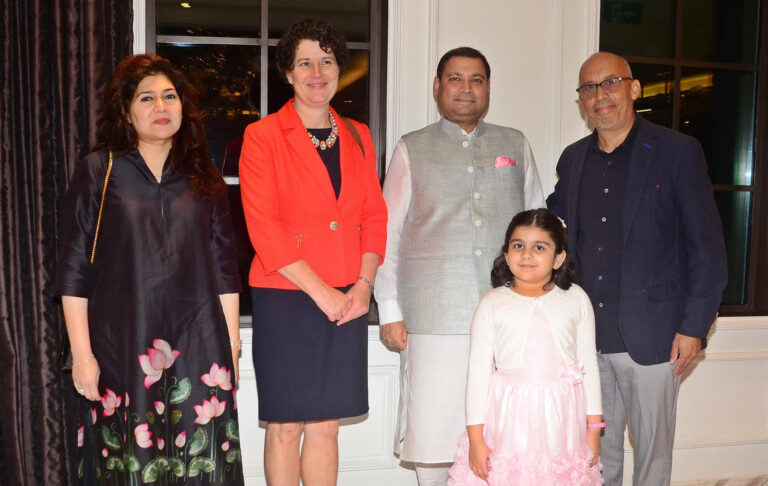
<point>220,377</point>
<point>143,435</point>
<point>181,439</point>
<point>80,435</point>
<point>110,401</point>
<point>158,358</point>
<point>159,407</point>
<point>209,410</point>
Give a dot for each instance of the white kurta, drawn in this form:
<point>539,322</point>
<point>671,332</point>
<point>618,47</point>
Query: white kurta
<point>433,367</point>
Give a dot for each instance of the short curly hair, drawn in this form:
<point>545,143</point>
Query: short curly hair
<point>331,40</point>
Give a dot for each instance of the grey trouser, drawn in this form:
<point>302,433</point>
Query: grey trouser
<point>647,396</point>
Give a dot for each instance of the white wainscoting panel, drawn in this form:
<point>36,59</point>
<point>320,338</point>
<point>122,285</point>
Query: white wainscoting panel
<point>722,410</point>
<point>365,442</point>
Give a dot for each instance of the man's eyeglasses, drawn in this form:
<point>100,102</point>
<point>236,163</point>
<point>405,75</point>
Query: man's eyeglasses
<point>610,85</point>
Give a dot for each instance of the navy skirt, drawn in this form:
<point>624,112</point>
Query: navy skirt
<point>307,368</point>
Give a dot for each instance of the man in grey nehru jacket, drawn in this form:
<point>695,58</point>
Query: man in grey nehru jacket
<point>451,190</point>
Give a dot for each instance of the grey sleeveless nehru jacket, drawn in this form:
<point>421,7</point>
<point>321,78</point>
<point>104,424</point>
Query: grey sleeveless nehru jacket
<point>462,200</point>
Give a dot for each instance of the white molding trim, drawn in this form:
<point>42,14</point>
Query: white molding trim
<point>732,356</point>
<point>432,57</point>
<point>751,481</point>
<point>139,26</point>
<point>396,66</point>
<point>555,80</point>
<point>742,323</point>
<point>739,439</point>
<point>593,27</point>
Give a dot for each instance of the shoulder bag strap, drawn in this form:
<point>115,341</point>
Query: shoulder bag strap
<point>355,134</point>
<point>101,207</point>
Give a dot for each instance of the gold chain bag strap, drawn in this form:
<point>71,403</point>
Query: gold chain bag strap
<point>65,353</point>
<point>101,207</point>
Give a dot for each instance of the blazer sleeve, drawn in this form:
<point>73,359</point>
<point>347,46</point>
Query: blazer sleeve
<point>275,248</point>
<point>704,244</point>
<point>556,200</point>
<point>373,218</point>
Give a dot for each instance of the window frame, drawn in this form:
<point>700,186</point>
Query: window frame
<point>756,283</point>
<point>376,47</point>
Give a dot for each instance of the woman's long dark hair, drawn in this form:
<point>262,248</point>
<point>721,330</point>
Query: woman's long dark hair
<point>189,156</point>
<point>546,220</point>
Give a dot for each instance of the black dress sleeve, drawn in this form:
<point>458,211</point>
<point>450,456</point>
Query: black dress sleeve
<point>223,249</point>
<point>79,213</point>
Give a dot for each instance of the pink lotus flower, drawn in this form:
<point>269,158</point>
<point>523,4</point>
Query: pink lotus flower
<point>104,452</point>
<point>157,359</point>
<point>160,443</point>
<point>181,439</point>
<point>209,410</point>
<point>93,416</point>
<point>225,446</point>
<point>127,399</point>
<point>80,435</point>
<point>110,402</point>
<point>143,435</point>
<point>220,377</point>
<point>160,407</point>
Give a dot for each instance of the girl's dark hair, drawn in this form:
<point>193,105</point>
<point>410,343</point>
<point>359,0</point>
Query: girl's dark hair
<point>189,156</point>
<point>547,221</point>
<point>331,40</point>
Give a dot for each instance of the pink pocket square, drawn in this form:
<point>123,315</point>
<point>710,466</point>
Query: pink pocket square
<point>504,161</point>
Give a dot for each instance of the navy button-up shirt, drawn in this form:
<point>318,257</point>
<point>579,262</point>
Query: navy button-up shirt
<point>601,205</point>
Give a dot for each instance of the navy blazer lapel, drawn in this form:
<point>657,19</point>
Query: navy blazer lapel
<point>305,155</point>
<point>640,160</point>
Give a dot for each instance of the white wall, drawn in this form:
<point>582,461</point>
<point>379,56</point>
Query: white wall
<point>535,49</point>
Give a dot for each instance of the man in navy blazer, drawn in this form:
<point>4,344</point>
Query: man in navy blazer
<point>648,245</point>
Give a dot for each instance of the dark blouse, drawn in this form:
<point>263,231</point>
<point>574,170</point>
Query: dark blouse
<point>330,158</point>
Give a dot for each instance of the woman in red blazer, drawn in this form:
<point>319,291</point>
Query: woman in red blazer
<point>317,221</point>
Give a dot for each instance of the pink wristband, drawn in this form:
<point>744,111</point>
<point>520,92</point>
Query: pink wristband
<point>596,425</point>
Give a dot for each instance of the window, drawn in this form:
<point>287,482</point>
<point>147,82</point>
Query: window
<point>702,66</point>
<point>226,49</point>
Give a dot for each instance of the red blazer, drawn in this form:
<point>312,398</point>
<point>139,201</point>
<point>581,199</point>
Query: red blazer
<point>291,209</point>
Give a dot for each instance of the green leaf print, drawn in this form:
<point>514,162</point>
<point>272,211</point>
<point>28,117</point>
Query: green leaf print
<point>200,465</point>
<point>115,464</point>
<point>177,467</point>
<point>154,469</point>
<point>233,455</point>
<point>131,463</point>
<point>231,430</point>
<point>111,439</point>
<point>198,443</point>
<point>180,392</point>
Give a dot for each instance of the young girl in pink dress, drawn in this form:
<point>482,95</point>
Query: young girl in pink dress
<point>533,390</point>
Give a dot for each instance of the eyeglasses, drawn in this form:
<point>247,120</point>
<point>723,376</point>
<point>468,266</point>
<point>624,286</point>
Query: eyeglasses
<point>610,85</point>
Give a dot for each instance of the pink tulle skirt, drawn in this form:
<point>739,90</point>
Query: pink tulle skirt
<point>536,430</point>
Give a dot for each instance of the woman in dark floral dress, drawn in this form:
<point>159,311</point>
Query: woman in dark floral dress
<point>151,305</point>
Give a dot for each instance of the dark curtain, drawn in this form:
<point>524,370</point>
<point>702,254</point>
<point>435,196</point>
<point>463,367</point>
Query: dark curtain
<point>56,59</point>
